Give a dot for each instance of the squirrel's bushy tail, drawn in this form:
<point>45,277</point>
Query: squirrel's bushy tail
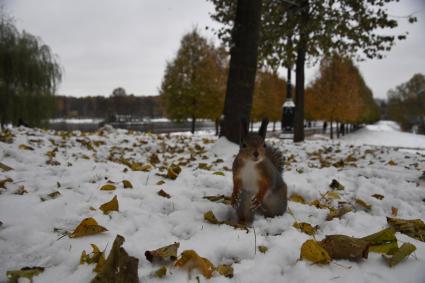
<point>276,157</point>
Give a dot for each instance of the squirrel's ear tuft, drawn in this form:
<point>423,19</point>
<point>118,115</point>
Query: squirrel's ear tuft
<point>244,128</point>
<point>263,128</point>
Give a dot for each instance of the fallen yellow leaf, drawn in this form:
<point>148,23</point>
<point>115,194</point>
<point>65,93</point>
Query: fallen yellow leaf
<point>363,204</point>
<point>312,251</point>
<point>190,259</point>
<point>162,254</point>
<point>108,187</point>
<point>297,198</point>
<point>96,256</point>
<point>226,270</point>
<point>404,251</point>
<point>127,184</point>
<point>109,206</point>
<point>87,227</point>
<point>305,228</point>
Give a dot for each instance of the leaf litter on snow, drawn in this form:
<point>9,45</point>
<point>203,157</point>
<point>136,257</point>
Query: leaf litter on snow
<point>123,155</point>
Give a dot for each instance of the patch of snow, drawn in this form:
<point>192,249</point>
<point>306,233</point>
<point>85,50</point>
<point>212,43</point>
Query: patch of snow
<point>385,133</point>
<point>224,149</point>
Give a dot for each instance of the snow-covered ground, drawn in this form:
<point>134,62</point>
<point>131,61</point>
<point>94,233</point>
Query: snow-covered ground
<point>386,133</point>
<point>30,234</point>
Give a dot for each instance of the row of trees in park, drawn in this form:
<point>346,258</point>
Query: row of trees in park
<point>194,88</point>
<point>119,102</point>
<point>340,95</point>
<point>406,104</point>
<point>29,74</point>
<point>194,84</point>
<point>279,33</point>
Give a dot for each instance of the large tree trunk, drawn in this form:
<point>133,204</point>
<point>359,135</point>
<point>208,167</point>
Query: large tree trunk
<point>299,72</point>
<point>299,95</point>
<point>243,66</point>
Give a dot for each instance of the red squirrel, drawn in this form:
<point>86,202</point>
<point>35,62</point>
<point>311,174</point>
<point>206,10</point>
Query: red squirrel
<point>257,176</point>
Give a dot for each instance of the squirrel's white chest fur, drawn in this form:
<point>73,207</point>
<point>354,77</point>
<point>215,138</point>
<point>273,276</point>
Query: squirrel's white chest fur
<point>250,177</point>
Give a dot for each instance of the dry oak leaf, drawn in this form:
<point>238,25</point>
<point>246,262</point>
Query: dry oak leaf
<point>127,184</point>
<point>338,213</point>
<point>332,195</point>
<point>140,167</point>
<point>226,270</point>
<point>3,182</point>
<point>378,196</point>
<point>25,147</point>
<point>109,206</point>
<point>164,194</point>
<point>210,217</point>
<point>336,185</point>
<point>312,251</point>
<point>404,251</point>
<point>306,228</point>
<point>173,171</point>
<point>191,260</point>
<point>263,249</point>
<point>163,254</point>
<point>219,198</point>
<point>363,204</point>
<point>96,256</point>
<point>345,247</point>
<point>204,166</point>
<point>87,227</point>
<point>108,187</point>
<point>119,267</point>
<point>4,167</point>
<point>50,196</point>
<point>383,241</point>
<point>297,198</point>
<point>414,228</point>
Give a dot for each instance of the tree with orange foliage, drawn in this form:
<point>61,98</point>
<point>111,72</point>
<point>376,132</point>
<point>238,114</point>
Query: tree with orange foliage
<point>269,95</point>
<point>335,95</point>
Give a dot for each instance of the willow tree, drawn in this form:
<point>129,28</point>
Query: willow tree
<point>193,83</point>
<point>294,32</point>
<point>29,74</point>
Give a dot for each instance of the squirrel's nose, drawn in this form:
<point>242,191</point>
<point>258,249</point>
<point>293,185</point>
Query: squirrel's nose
<point>256,154</point>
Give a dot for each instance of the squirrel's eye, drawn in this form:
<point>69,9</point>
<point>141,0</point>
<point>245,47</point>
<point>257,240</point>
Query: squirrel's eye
<point>244,145</point>
<point>264,145</point>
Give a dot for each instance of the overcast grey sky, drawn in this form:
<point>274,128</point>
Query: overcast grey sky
<point>103,44</point>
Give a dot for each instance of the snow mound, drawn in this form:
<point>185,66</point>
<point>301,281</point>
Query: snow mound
<point>384,126</point>
<point>224,149</point>
<point>385,133</point>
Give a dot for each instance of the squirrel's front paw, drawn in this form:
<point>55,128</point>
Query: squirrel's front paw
<point>255,203</point>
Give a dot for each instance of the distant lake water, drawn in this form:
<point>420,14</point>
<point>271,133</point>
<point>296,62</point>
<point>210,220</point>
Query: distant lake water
<point>161,125</point>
